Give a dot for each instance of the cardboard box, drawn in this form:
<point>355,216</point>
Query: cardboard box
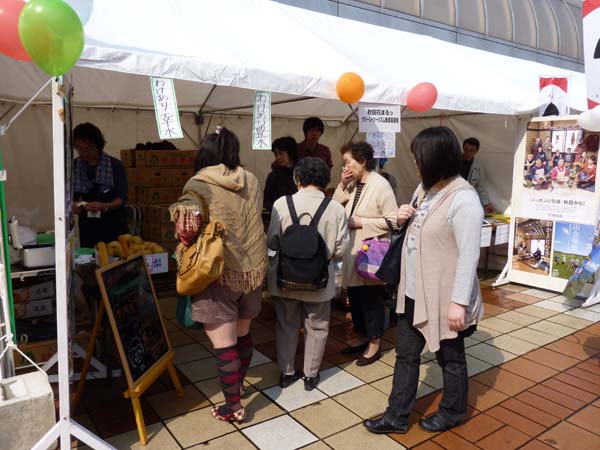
<point>157,232</point>
<point>182,175</point>
<point>128,157</point>
<point>34,308</point>
<point>157,195</point>
<point>42,351</point>
<point>158,177</point>
<point>159,215</point>
<point>131,194</point>
<point>38,352</point>
<point>165,158</point>
<point>34,292</point>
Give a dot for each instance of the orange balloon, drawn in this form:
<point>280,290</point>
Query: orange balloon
<point>350,87</point>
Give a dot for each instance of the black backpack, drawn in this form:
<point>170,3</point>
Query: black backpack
<point>303,263</point>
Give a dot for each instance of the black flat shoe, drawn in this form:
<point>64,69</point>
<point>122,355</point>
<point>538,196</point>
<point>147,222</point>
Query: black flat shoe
<point>436,423</point>
<point>311,382</point>
<point>287,380</point>
<point>355,349</point>
<point>384,425</point>
<point>364,361</point>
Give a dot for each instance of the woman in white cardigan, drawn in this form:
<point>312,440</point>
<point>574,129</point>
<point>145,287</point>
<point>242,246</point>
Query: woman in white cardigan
<point>371,209</point>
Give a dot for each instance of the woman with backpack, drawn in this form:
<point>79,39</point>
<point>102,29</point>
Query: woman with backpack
<point>308,231</point>
<point>227,306</point>
<point>371,209</point>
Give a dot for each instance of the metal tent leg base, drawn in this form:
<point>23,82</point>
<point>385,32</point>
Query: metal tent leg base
<point>503,277</point>
<point>100,372</point>
<point>63,430</point>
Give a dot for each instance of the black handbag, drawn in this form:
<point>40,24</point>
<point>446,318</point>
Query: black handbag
<point>389,271</point>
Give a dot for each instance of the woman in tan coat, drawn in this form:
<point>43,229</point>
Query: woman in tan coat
<point>371,208</point>
<point>439,301</point>
<point>227,306</point>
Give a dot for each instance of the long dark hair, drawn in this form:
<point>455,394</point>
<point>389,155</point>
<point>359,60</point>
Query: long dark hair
<point>438,155</point>
<point>221,147</point>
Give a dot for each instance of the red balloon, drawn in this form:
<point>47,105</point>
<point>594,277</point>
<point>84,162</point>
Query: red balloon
<point>422,97</point>
<point>10,42</point>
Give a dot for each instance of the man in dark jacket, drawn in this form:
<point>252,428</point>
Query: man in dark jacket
<point>280,181</point>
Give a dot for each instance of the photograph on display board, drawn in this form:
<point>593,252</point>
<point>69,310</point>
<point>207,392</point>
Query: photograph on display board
<point>559,171</point>
<point>572,244</point>
<point>532,246</point>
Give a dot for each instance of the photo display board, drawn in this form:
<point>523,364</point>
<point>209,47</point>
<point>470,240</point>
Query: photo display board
<point>554,202</point>
<point>132,309</point>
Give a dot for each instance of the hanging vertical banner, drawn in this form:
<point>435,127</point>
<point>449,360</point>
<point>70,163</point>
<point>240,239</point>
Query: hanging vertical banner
<point>554,100</point>
<point>261,123</point>
<point>384,144</point>
<point>373,117</point>
<point>591,50</point>
<point>165,106</point>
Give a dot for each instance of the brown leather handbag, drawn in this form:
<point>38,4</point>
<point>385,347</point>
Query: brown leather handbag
<point>203,262</point>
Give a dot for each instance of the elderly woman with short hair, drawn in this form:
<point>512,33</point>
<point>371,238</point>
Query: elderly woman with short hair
<point>296,308</point>
<point>371,208</point>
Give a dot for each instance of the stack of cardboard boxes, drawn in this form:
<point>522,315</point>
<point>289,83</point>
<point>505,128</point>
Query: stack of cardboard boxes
<point>156,179</point>
<point>34,300</point>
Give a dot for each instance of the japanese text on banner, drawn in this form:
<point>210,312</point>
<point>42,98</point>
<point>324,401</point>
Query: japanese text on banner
<point>374,117</point>
<point>261,123</point>
<point>165,106</point>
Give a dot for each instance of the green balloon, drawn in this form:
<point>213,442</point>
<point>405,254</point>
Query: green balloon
<point>52,35</point>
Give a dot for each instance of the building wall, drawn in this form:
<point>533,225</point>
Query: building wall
<point>546,31</point>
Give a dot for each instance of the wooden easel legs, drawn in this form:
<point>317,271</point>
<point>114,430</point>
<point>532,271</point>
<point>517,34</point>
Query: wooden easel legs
<point>145,383</point>
<point>165,364</point>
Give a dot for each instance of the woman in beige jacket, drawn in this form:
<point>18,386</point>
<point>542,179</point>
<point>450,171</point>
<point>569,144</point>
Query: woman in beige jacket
<point>371,209</point>
<point>439,301</point>
<point>227,306</point>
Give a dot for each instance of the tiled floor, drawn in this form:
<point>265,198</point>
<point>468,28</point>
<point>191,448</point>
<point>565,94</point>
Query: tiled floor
<point>534,365</point>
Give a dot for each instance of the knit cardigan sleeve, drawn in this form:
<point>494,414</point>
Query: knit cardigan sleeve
<point>341,195</point>
<point>388,208</point>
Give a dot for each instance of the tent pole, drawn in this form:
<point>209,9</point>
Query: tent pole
<point>280,102</point>
<point>212,89</point>
<point>352,113</point>
<point>4,127</point>
<point>199,118</point>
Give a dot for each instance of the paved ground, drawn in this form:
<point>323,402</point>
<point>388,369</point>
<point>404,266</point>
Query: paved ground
<point>534,367</point>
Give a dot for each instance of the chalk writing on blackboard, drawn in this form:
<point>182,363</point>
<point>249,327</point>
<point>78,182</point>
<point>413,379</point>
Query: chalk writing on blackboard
<point>132,305</point>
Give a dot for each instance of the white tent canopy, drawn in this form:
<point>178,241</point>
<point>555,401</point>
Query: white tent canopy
<point>264,45</point>
<point>219,52</point>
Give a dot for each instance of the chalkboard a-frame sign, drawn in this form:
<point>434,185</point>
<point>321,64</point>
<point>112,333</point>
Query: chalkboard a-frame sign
<point>134,316</point>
